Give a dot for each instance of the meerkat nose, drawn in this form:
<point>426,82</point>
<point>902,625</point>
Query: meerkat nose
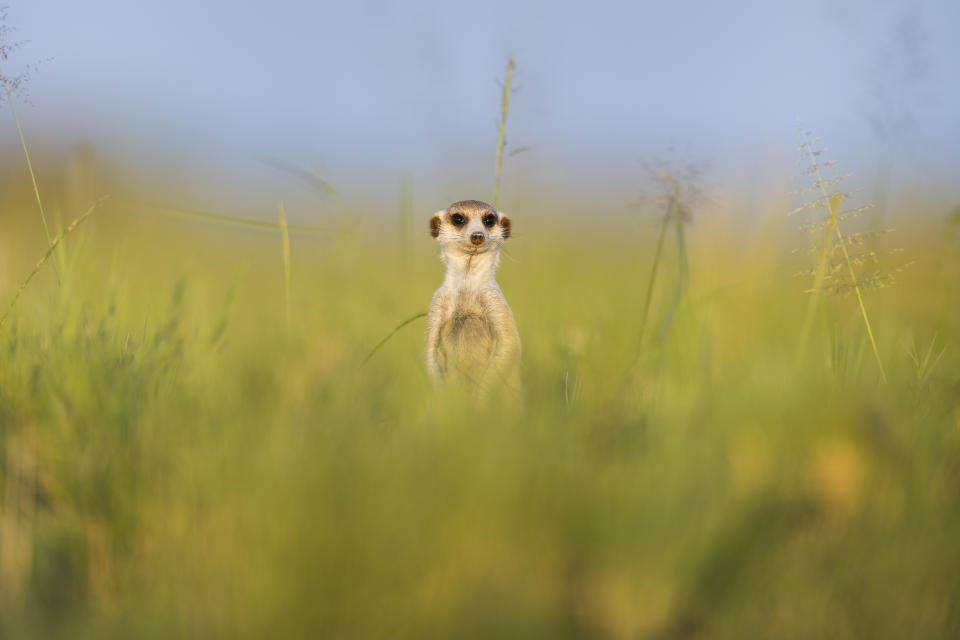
<point>476,238</point>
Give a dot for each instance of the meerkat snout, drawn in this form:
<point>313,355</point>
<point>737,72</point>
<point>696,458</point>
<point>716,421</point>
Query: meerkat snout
<point>477,238</point>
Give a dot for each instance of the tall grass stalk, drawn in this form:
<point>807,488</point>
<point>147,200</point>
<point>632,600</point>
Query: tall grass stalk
<point>219,217</point>
<point>390,335</point>
<point>925,362</point>
<point>501,135</point>
<point>46,256</point>
<point>61,251</point>
<point>683,265</point>
<point>675,215</point>
<point>285,244</point>
<point>863,309</point>
<point>819,275</point>
<point>673,203</point>
<point>26,155</point>
<point>831,229</point>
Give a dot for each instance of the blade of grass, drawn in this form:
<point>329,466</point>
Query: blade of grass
<point>61,251</point>
<point>237,220</point>
<point>832,227</point>
<point>26,155</point>
<point>863,309</point>
<point>390,335</point>
<point>653,271</point>
<point>312,180</point>
<point>46,256</point>
<point>683,267</point>
<point>285,242</point>
<point>502,131</point>
<point>820,272</point>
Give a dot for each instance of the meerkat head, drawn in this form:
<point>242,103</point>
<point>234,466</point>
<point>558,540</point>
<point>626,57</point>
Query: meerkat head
<point>470,227</point>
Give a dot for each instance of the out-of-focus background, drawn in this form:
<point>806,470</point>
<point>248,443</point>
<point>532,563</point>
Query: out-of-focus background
<point>735,271</point>
<point>201,93</point>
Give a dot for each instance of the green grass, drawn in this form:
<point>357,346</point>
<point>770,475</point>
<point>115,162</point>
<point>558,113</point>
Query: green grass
<point>23,143</point>
<point>173,464</point>
<point>501,130</point>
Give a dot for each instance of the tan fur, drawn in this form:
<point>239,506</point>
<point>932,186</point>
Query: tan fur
<point>470,332</point>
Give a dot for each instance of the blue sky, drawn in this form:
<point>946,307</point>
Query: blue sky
<point>382,88</point>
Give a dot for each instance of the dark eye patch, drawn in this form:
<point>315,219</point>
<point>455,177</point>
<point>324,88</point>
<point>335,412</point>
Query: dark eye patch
<point>489,220</point>
<point>458,219</point>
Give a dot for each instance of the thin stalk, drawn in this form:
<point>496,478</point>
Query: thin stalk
<point>683,265</point>
<point>61,251</point>
<point>46,256</point>
<point>26,155</point>
<point>820,272</point>
<point>656,266</point>
<point>502,132</point>
<point>242,221</point>
<point>812,305</point>
<point>833,226</point>
<point>390,335</point>
<point>863,309</point>
<point>285,244</point>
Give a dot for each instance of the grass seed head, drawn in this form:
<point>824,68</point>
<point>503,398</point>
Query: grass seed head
<point>13,84</point>
<point>842,257</point>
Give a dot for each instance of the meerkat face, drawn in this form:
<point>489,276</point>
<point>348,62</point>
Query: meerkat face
<point>470,226</point>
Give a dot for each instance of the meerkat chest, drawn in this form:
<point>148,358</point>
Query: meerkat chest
<point>467,332</point>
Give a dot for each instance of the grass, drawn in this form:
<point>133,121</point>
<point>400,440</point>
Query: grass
<point>54,244</point>
<point>676,212</point>
<point>502,130</point>
<point>843,276</point>
<point>174,466</point>
<point>285,255</point>
<point>26,153</point>
<point>171,465</point>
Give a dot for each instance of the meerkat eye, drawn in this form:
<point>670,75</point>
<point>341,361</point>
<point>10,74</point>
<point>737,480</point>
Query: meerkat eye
<point>489,220</point>
<point>458,219</point>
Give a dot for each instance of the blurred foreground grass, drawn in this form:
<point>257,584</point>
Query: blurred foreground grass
<point>178,461</point>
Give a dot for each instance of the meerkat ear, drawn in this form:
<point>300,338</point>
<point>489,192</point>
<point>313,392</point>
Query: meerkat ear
<point>505,223</point>
<point>435,224</point>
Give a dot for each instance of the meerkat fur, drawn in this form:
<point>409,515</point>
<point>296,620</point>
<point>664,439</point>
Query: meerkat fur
<point>470,331</point>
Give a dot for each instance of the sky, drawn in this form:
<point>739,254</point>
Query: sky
<point>370,91</point>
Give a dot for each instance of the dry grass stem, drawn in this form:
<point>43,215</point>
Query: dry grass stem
<point>285,244</point>
<point>26,155</point>
<point>46,256</point>
<point>833,241</point>
<point>501,135</point>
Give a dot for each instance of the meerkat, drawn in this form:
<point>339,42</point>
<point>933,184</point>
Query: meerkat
<point>470,331</point>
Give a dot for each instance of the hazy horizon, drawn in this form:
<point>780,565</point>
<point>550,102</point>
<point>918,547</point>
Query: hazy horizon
<point>199,94</point>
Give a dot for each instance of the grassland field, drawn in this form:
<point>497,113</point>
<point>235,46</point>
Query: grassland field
<point>187,453</point>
